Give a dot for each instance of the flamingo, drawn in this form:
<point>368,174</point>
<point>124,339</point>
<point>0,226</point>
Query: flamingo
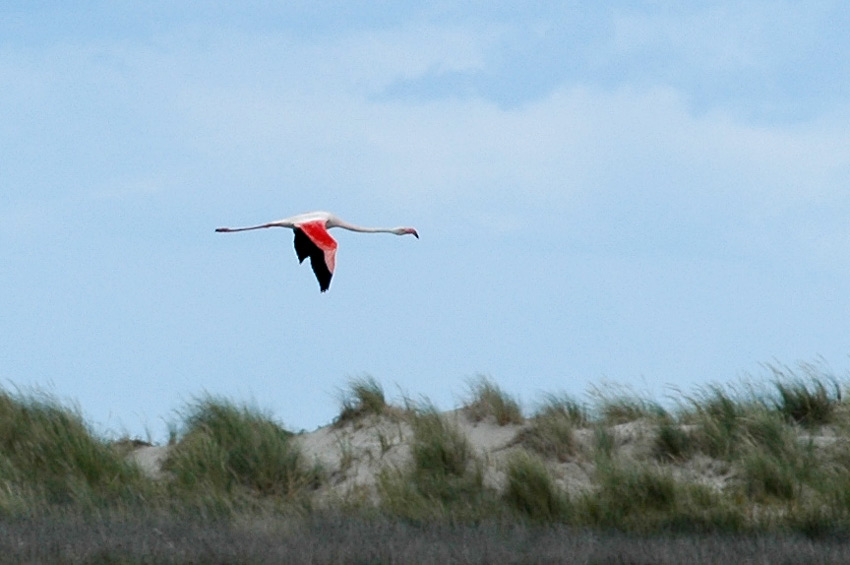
<point>313,240</point>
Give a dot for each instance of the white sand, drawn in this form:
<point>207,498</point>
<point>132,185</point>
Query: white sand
<point>353,454</point>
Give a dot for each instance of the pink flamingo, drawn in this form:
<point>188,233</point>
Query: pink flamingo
<point>313,240</point>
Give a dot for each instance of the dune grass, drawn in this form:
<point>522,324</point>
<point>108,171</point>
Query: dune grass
<point>50,458</point>
<point>444,479</point>
<point>619,405</point>
<point>226,456</point>
<point>550,432</point>
<point>740,458</point>
<point>531,491</point>
<point>363,396</point>
<point>487,399</point>
<point>810,399</point>
<point>646,497</point>
<point>231,453</point>
<point>673,442</point>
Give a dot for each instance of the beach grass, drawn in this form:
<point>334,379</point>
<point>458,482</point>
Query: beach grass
<point>743,459</point>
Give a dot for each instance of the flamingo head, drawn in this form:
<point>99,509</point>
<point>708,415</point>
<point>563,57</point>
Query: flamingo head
<point>404,231</point>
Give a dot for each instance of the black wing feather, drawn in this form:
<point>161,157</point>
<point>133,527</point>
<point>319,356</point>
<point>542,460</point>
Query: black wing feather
<point>304,247</point>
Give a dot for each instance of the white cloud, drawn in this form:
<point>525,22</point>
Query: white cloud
<point>273,109</point>
<point>578,144</point>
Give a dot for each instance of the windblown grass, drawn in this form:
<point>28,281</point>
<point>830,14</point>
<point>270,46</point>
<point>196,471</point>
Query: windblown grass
<point>718,416</point>
<point>487,399</point>
<point>228,451</point>
<point>364,396</point>
<point>809,400</point>
<point>673,442</point>
<point>646,497</point>
<point>49,457</point>
<point>551,430</point>
<point>531,491</point>
<point>619,405</point>
<point>444,479</point>
<point>729,459</point>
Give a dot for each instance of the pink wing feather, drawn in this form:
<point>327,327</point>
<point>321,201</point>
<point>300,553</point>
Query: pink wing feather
<point>313,240</point>
<point>319,235</point>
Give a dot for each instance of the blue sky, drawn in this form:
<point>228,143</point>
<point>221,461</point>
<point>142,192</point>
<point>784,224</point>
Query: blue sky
<point>647,193</point>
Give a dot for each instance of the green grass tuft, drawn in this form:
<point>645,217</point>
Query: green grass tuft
<point>717,417</point>
<point>227,448</point>
<point>488,400</point>
<point>364,397</point>
<point>643,497</point>
<point>809,401</point>
<point>772,458</point>
<point>619,405</point>
<point>551,430</point>
<point>775,463</point>
<point>49,457</point>
<point>672,441</point>
<point>444,479</point>
<point>531,491</point>
<point>564,405</point>
<point>439,448</point>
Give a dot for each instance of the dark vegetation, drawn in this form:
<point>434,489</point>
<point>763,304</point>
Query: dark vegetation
<point>731,474</point>
<point>333,538</point>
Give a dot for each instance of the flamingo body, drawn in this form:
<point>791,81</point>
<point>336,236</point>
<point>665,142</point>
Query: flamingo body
<point>313,240</point>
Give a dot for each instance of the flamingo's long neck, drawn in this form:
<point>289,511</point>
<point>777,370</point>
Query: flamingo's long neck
<point>336,222</point>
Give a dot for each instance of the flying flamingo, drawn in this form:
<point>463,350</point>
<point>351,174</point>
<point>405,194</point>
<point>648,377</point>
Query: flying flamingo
<point>313,240</point>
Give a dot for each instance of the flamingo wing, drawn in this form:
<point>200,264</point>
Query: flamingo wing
<point>313,240</point>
